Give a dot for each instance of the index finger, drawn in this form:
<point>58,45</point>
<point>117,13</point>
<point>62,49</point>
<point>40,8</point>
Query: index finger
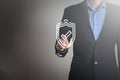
<point>63,37</point>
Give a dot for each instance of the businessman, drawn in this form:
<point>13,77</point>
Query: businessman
<point>97,32</point>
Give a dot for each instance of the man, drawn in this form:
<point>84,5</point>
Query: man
<point>97,32</point>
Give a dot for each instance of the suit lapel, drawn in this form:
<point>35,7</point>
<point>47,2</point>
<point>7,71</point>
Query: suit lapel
<point>86,20</point>
<point>103,30</point>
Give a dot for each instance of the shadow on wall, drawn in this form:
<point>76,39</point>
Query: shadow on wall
<point>27,38</point>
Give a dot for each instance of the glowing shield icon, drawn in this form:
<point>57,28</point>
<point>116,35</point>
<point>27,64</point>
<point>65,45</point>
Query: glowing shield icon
<point>67,29</point>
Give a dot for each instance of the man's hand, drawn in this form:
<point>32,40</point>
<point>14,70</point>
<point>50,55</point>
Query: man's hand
<point>63,43</point>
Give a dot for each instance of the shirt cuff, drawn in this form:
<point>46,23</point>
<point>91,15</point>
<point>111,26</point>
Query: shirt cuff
<point>61,53</point>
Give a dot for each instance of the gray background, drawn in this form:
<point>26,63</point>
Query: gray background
<point>27,39</point>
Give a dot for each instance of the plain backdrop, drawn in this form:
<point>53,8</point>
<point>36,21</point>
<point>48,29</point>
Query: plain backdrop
<point>27,40</point>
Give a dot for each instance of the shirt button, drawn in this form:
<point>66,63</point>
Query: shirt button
<point>96,62</point>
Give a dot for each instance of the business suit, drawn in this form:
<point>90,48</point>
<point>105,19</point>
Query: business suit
<point>94,60</point>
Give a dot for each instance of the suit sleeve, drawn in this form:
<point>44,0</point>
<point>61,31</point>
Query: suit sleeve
<point>118,45</point>
<point>62,53</point>
<point>118,36</point>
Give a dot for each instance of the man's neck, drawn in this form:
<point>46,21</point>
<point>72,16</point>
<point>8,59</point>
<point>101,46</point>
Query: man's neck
<point>95,4</point>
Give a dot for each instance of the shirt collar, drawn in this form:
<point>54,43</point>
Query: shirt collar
<point>103,5</point>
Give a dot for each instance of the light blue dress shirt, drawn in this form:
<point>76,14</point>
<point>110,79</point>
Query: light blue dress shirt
<point>96,18</point>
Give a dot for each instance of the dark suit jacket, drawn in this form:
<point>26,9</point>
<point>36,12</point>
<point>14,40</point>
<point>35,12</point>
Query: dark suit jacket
<point>87,52</point>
